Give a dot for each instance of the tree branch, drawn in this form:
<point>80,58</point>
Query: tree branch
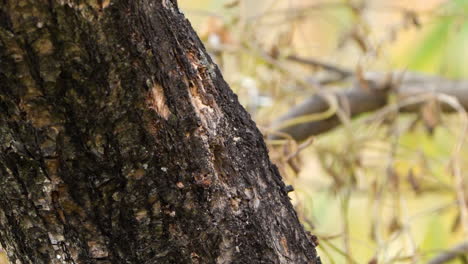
<point>367,94</point>
<point>450,254</point>
<point>326,66</point>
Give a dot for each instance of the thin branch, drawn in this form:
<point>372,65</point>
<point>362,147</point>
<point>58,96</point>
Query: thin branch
<point>367,96</point>
<point>326,66</point>
<point>450,254</point>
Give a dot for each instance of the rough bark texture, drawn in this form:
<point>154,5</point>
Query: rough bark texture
<point>120,142</point>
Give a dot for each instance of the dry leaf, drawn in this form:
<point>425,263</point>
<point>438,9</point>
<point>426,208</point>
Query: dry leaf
<point>430,114</point>
<point>363,83</point>
<point>232,4</point>
<point>413,181</point>
<point>394,225</point>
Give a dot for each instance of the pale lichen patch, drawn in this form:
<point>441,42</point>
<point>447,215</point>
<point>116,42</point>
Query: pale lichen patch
<point>141,215</point>
<point>39,117</point>
<point>156,208</point>
<point>249,193</point>
<point>97,249</point>
<point>117,196</point>
<point>235,202</point>
<point>17,57</point>
<point>156,100</point>
<point>43,46</point>
<point>255,203</point>
<point>56,238</point>
<point>227,250</point>
<point>137,174</point>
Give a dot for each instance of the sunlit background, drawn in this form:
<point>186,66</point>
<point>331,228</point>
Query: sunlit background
<point>382,192</point>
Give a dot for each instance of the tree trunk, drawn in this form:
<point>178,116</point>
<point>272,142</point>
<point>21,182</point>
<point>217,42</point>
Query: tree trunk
<point>120,142</point>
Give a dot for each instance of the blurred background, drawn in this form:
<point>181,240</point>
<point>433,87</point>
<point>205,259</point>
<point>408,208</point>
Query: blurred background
<point>387,184</point>
<point>384,186</point>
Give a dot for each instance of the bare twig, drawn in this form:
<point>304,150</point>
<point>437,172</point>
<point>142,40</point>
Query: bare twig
<point>326,66</point>
<point>459,180</point>
<point>374,97</point>
<point>450,254</point>
<point>313,116</point>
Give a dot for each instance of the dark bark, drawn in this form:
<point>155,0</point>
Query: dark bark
<point>120,142</point>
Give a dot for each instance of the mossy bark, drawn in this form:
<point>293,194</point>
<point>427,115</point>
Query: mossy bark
<point>120,142</point>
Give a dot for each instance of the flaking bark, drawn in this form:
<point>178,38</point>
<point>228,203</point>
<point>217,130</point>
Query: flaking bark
<point>120,142</point>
